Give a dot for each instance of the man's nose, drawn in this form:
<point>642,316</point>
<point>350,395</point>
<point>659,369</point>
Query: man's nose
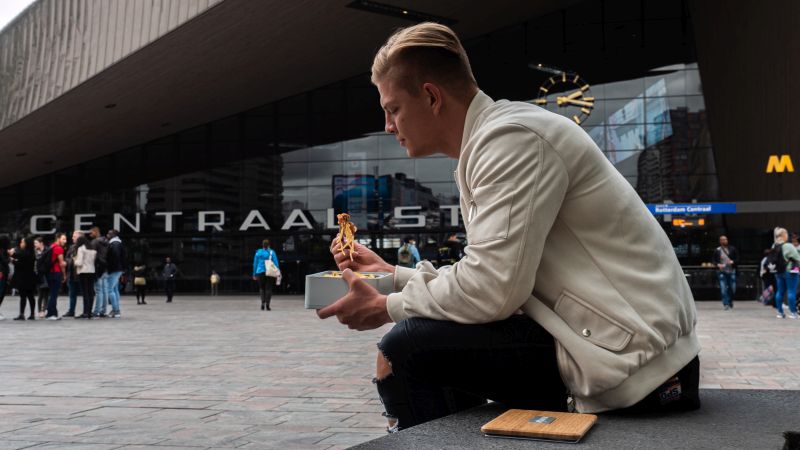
<point>390,128</point>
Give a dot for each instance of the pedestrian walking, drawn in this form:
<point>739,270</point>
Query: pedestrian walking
<point>56,276</point>
<point>73,284</point>
<point>725,258</point>
<point>215,279</point>
<point>140,283</point>
<point>266,271</point>
<point>25,277</point>
<point>84,263</point>
<point>169,273</point>
<point>408,254</point>
<point>116,267</point>
<point>787,262</point>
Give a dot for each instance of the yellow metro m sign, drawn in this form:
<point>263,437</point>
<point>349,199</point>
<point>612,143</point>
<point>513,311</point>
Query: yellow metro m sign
<point>779,165</point>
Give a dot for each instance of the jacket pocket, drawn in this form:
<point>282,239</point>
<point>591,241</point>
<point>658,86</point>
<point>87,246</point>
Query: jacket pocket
<point>591,324</point>
<point>490,212</point>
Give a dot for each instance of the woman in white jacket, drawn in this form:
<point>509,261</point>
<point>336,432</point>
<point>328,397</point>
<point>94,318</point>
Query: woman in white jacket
<point>84,266</point>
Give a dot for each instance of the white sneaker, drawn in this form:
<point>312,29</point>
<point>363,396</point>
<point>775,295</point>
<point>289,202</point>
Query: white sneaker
<point>53,318</point>
<point>2,317</point>
<point>780,316</point>
<point>792,316</point>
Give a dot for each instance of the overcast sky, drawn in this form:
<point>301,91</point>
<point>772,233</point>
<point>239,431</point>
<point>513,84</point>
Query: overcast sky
<point>10,8</point>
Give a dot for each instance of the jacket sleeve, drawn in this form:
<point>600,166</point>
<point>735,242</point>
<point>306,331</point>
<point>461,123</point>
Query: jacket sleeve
<point>517,183</point>
<point>255,264</point>
<point>715,259</point>
<point>790,254</point>
<point>415,252</point>
<point>78,261</point>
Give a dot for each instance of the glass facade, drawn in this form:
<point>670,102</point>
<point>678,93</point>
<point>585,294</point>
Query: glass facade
<point>207,196</point>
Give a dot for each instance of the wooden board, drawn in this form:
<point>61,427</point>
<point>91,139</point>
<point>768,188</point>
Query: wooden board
<point>561,426</point>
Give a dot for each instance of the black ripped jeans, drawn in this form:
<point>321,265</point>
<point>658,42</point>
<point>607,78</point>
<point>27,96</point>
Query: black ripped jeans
<point>440,368</point>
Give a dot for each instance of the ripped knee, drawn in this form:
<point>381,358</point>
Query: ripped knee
<point>383,367</point>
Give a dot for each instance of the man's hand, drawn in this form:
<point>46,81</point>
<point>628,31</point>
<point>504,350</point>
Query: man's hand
<point>363,308</point>
<point>364,259</point>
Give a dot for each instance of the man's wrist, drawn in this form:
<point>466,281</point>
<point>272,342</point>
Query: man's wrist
<point>386,317</point>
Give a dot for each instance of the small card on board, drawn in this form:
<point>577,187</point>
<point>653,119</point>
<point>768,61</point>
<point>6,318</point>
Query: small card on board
<point>540,425</point>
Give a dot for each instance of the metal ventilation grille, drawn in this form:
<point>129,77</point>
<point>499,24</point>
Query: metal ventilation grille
<point>58,44</point>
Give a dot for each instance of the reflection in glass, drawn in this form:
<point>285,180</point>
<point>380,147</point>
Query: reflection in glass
<point>434,169</point>
<point>363,148</point>
<point>598,135</point>
<point>390,148</point>
<point>321,173</point>
<point>693,84</point>
<point>295,174</point>
<point>328,152</point>
<point>624,89</point>
<point>626,111</point>
<point>624,137</point>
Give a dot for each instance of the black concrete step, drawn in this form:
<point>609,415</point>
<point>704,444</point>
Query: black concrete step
<point>728,419</point>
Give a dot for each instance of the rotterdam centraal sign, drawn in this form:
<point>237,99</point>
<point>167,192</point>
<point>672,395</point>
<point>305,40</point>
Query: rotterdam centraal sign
<point>403,217</point>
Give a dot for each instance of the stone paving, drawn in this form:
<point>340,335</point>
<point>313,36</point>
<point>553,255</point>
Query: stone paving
<point>219,373</point>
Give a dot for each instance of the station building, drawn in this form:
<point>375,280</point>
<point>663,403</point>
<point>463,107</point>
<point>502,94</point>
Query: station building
<point>200,127</point>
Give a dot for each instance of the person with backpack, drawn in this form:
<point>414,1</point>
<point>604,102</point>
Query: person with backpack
<point>407,254</point>
<point>787,267</point>
<point>55,273</point>
<point>266,271</point>
<point>725,258</point>
<point>115,268</point>
<point>40,271</point>
<point>100,245</point>
<point>25,277</point>
<point>769,283</point>
<point>215,280</point>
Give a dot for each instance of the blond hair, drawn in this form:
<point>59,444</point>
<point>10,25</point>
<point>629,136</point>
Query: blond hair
<point>423,53</point>
<point>778,235</point>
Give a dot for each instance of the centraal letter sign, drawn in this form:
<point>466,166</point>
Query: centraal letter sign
<point>254,220</point>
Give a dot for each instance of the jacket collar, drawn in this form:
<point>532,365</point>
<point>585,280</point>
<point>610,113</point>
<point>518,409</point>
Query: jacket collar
<point>115,239</point>
<point>479,103</point>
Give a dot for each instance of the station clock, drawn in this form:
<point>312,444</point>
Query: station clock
<point>574,100</point>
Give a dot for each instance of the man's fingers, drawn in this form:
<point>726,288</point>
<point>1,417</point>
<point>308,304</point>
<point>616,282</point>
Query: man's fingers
<point>335,243</point>
<point>352,279</point>
<point>329,310</point>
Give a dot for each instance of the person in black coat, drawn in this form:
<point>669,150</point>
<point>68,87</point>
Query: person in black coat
<point>5,245</point>
<point>25,279</point>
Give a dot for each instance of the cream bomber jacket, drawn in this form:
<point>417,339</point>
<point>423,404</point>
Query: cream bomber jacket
<point>555,230</point>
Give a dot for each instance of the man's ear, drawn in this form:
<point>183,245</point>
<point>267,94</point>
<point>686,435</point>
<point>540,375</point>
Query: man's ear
<point>434,95</point>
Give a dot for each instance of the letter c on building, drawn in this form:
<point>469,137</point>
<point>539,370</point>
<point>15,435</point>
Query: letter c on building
<point>35,224</point>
